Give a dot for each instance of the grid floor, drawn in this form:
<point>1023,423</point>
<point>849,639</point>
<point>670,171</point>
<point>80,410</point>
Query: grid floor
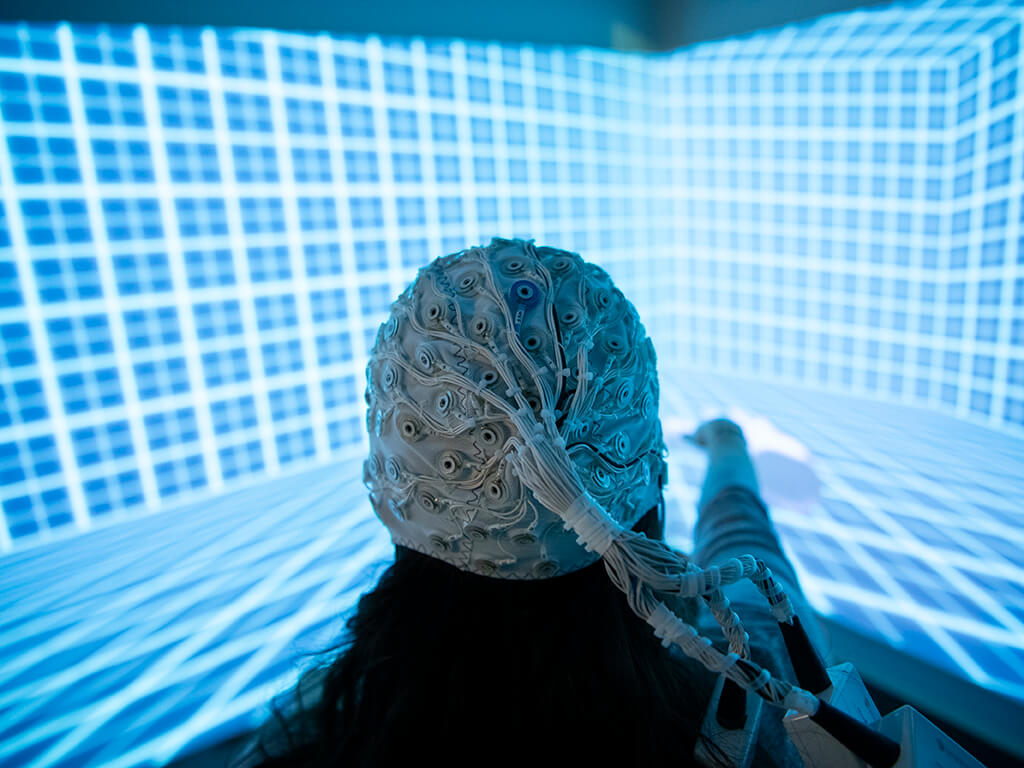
<point>149,639</point>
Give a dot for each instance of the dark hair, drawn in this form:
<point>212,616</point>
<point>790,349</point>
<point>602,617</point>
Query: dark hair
<point>438,664</point>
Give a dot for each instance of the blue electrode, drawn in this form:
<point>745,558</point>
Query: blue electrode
<point>523,295</point>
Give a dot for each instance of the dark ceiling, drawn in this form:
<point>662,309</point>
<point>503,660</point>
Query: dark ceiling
<point>657,25</point>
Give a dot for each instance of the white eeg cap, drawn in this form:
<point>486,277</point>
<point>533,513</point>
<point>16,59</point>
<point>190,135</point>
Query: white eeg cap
<point>441,385</point>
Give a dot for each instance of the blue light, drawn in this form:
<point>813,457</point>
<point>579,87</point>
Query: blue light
<point>201,231</point>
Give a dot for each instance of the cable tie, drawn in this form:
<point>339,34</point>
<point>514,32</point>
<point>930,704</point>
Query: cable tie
<point>727,662</point>
<point>734,563</point>
<point>662,621</point>
<point>801,700</point>
<point>668,628</point>
<point>762,680</point>
<point>597,531</point>
<point>691,583</point>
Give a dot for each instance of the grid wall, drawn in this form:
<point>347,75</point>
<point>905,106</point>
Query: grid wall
<point>202,229</point>
<point>849,196</point>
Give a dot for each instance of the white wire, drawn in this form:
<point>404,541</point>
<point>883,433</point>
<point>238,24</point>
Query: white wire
<point>640,567</point>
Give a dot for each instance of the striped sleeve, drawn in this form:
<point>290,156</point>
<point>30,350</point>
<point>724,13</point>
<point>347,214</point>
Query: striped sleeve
<point>737,522</point>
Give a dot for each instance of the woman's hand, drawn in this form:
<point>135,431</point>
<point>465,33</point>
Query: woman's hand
<point>717,433</point>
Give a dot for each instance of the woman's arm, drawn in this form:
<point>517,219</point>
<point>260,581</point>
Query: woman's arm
<point>733,520</point>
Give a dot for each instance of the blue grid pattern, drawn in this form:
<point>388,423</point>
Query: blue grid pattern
<point>174,631</point>
<point>886,533</point>
<point>175,226</point>
<point>200,232</point>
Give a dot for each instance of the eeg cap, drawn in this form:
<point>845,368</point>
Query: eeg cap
<point>440,383</point>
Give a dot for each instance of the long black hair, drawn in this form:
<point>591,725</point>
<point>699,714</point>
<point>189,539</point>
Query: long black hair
<point>443,665</point>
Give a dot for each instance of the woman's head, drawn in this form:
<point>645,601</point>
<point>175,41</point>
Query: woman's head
<point>480,338</point>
